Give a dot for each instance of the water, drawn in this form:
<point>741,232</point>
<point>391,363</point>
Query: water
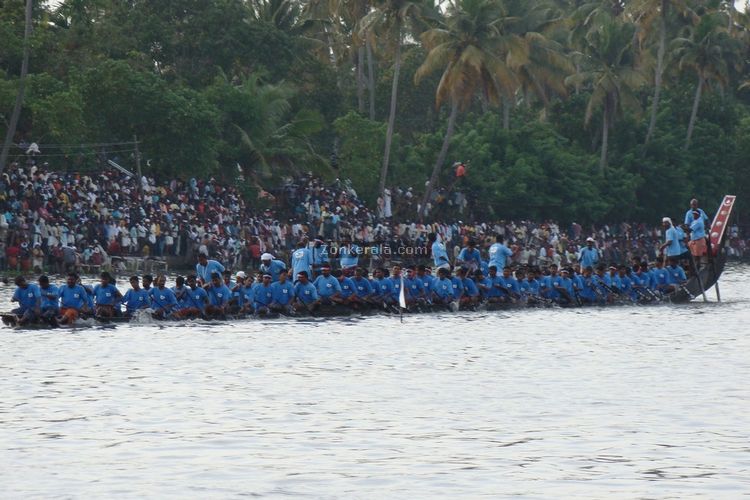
<point>623,402</point>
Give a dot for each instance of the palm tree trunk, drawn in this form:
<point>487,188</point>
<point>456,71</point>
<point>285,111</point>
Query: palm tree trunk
<point>605,138</point>
<point>392,114</point>
<point>506,113</point>
<point>694,114</point>
<point>370,78</point>
<point>361,79</point>
<point>659,69</point>
<point>440,159</point>
<point>15,115</point>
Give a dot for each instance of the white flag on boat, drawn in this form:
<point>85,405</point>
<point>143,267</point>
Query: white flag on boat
<point>402,294</point>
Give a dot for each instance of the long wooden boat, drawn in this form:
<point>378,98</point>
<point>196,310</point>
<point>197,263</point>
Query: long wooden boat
<point>705,279</point>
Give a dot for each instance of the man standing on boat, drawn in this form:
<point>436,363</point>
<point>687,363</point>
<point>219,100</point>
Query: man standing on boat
<point>693,208</point>
<point>439,254</point>
<point>671,246</point>
<point>205,268</point>
<point>499,253</point>
<point>697,237</point>
<point>589,255</point>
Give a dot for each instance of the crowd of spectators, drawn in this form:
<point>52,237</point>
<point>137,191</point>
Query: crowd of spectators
<point>58,221</point>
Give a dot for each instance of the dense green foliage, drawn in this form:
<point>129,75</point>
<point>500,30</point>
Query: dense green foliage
<point>554,99</point>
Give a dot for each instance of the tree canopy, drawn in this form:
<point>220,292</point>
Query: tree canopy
<point>578,110</point>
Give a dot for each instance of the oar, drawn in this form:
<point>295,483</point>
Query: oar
<point>698,275</point>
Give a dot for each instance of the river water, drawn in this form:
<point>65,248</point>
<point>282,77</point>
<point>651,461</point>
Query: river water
<point>628,402</point>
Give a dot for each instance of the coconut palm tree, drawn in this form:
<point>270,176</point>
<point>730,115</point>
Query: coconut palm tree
<point>609,68</point>
<point>16,113</point>
<point>652,16</point>
<point>393,18</point>
<point>711,53</point>
<point>474,54</point>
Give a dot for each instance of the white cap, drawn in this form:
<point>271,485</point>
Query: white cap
<point>667,219</point>
<point>266,256</point>
<point>241,274</point>
<point>590,239</point>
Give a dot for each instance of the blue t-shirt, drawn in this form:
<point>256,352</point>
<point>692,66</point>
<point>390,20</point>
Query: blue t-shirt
<point>74,297</point>
<point>263,296</point>
<point>673,237</point>
<point>470,288</point>
<point>442,288</point>
<point>27,297</point>
<point>306,293</point>
<point>588,257</point>
<point>205,272</point>
<point>468,255</point>
<point>275,268</point>
<point>676,275</point>
<point>163,298</point>
<point>197,298</point>
<point>681,235</point>
<point>302,261</point>
<point>50,298</point>
<point>689,216</point>
<point>218,295</point>
<point>136,300</point>
<point>458,287</point>
<point>326,286</point>
<point>105,295</point>
<point>347,287</point>
<point>439,255</point>
<point>362,287</point>
<point>697,229</point>
<point>499,254</point>
<point>282,292</point>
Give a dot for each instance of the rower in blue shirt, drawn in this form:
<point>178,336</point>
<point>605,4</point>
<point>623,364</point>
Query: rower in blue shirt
<point>271,266</point>
<point>659,277</point>
<point>263,296</point>
<point>362,287</point>
<point>442,288</point>
<point>512,289</point>
<point>496,293</point>
<point>439,254</point>
<point>415,287</point>
<point>305,294</point>
<point>470,292</point>
<point>50,304</point>
<point>282,293</point>
<point>499,253</point>
<point>469,257</point>
<point>163,301</point>
<point>328,288</point>
<point>105,296</point>
<point>458,286</point>
<point>563,285</point>
<point>589,255</point>
<point>588,291</point>
<point>218,297</point>
<point>205,268</point>
<point>73,300</point>
<point>483,284</point>
<point>136,298</point>
<point>676,275</point>
<point>197,298</point>
<point>29,301</point>
<point>424,277</point>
